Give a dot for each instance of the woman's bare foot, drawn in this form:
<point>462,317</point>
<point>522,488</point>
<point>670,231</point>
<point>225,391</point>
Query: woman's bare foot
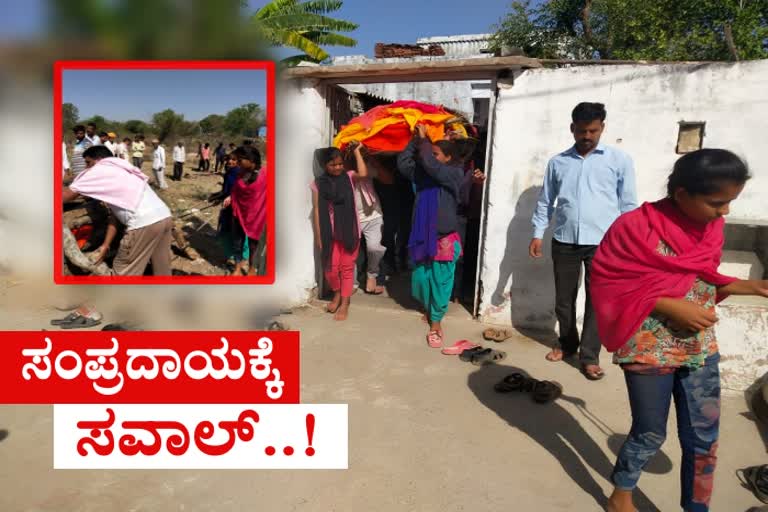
<point>437,327</point>
<point>343,311</point>
<point>252,270</point>
<point>333,306</point>
<point>238,270</point>
<point>620,501</point>
<point>556,354</point>
<point>370,285</point>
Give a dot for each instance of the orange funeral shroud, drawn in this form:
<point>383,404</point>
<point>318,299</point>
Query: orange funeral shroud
<point>390,127</point>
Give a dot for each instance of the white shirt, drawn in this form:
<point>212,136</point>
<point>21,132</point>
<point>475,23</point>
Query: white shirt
<point>366,212</point>
<point>179,155</point>
<point>95,140</point>
<point>122,151</point>
<point>158,158</point>
<point>112,146</point>
<point>151,209</point>
<point>64,159</point>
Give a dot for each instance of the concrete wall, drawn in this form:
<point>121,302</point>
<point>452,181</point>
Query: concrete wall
<point>645,104</point>
<point>455,95</point>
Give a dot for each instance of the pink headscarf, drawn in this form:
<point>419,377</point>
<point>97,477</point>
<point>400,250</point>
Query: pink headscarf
<point>249,204</point>
<point>629,275</point>
<point>114,181</point>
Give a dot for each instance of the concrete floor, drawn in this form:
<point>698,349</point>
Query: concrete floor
<point>427,433</point>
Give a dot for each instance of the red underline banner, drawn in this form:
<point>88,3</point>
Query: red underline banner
<point>124,367</point>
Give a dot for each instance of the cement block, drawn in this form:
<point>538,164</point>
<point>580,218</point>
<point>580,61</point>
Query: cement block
<point>741,264</point>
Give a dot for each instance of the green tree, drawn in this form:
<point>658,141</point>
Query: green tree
<point>135,126</point>
<point>213,123</point>
<point>69,117</point>
<point>100,121</point>
<point>304,26</point>
<point>244,120</point>
<point>167,123</point>
<point>648,30</point>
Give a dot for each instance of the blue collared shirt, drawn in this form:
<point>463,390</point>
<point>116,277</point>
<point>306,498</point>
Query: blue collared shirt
<point>586,194</point>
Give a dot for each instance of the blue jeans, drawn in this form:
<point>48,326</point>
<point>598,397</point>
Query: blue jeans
<point>697,403</point>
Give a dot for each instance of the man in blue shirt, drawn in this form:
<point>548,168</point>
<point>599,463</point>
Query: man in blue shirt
<point>586,187</point>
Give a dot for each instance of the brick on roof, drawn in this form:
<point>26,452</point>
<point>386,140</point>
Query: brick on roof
<point>384,50</point>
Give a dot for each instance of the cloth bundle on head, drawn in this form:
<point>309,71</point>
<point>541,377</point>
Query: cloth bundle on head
<point>249,204</point>
<point>114,181</point>
<point>629,275</point>
<point>390,127</point>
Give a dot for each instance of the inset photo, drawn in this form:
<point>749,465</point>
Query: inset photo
<point>163,172</point>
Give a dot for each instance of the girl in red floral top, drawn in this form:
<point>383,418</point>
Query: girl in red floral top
<point>654,288</point>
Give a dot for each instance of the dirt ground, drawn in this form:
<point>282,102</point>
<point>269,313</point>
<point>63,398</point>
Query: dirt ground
<point>427,432</point>
<point>193,215</point>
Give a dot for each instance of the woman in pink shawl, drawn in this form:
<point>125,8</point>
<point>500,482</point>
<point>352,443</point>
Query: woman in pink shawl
<point>249,207</point>
<point>655,283</point>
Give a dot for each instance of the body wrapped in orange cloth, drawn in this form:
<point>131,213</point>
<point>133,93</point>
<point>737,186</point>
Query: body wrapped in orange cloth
<point>390,127</point>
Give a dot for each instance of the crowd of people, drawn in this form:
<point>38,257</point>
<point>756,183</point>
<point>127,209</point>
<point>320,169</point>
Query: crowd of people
<point>651,271</point>
<point>103,169</point>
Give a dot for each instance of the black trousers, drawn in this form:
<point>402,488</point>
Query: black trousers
<point>568,261</point>
<point>178,169</point>
<point>390,208</point>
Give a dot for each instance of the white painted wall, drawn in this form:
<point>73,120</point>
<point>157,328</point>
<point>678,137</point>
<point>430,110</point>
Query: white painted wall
<point>645,104</point>
<point>26,213</point>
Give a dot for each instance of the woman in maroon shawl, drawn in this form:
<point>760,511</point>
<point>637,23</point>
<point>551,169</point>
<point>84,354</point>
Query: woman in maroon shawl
<point>249,207</point>
<point>655,283</point>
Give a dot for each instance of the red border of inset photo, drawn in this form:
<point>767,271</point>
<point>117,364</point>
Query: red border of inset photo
<point>59,68</point>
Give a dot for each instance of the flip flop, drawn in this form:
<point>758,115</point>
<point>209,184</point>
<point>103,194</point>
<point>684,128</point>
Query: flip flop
<point>756,478</point>
<point>512,382</point>
<point>545,391</point>
<point>67,319</point>
<point>594,375</point>
<point>458,347</point>
<point>81,322</point>
<point>467,354</point>
<point>488,356</point>
<point>434,339</point>
<point>497,335</point>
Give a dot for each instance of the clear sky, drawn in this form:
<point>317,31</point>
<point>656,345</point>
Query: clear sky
<point>404,21</point>
<point>121,95</point>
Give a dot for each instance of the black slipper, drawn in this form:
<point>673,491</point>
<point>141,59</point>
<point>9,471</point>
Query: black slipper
<point>81,322</point>
<point>67,319</point>
<point>488,356</point>
<point>592,376</point>
<point>546,391</point>
<point>467,354</point>
<point>756,478</point>
<point>512,382</point>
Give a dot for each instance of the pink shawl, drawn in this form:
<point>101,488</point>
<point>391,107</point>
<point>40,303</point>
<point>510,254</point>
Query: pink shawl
<point>629,275</point>
<point>249,204</point>
<point>114,181</point>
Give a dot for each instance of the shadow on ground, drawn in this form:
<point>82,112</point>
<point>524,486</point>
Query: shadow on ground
<point>554,429</point>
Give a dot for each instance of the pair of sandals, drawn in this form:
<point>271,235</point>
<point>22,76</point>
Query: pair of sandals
<point>75,321</point>
<point>480,356</point>
<point>756,479</point>
<point>497,335</point>
<point>542,391</point>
